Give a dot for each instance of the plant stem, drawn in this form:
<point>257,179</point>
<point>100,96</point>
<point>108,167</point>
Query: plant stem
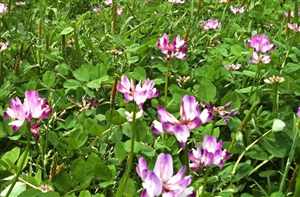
<point>291,155</point>
<point>167,83</point>
<point>114,16</point>
<point>20,169</point>
<point>125,177</point>
<point>275,99</point>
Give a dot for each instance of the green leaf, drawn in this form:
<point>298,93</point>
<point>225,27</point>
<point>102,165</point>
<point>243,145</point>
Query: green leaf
<point>67,30</point>
<point>17,190</point>
<point>49,78</point>
<point>96,84</point>
<point>85,194</point>
<point>82,73</point>
<point>205,90</point>
<point>11,156</point>
<point>72,84</point>
<point>139,73</point>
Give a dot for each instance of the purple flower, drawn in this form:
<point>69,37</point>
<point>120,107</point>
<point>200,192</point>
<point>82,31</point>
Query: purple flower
<point>210,153</point>
<point>260,43</point>
<point>177,49</point>
<point>139,93</point>
<point>298,112</point>
<point>33,107</point>
<point>258,58</point>
<point>161,180</point>
<point>237,10</point>
<point>3,8</point>
<point>294,27</point>
<point>211,24</point>
<point>190,118</point>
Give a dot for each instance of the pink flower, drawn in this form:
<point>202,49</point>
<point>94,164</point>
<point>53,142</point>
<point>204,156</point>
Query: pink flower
<point>237,10</point>
<point>260,43</point>
<point>191,118</point>
<point>139,93</point>
<point>258,58</point>
<point>108,2</point>
<point>209,153</point>
<point>177,49</point>
<point>177,1</point>
<point>3,46</point>
<point>161,180</point>
<point>294,26</point>
<point>298,112</point>
<point>211,24</point>
<point>3,8</point>
<point>33,107</point>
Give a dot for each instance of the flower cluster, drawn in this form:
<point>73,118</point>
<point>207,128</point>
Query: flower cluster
<point>176,49</point>
<point>209,153</point>
<point>161,180</point>
<point>3,8</point>
<point>33,107</point>
<point>190,118</point>
<point>138,93</point>
<point>294,27</point>
<point>237,10</point>
<point>261,45</point>
<point>177,1</point>
<point>210,24</point>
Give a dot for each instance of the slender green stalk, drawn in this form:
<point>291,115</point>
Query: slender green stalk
<point>20,169</point>
<point>275,98</point>
<point>291,155</point>
<point>248,148</point>
<point>114,17</point>
<point>125,177</point>
<point>167,82</point>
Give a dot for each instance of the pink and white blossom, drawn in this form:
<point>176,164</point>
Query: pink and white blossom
<point>3,46</point>
<point>258,58</point>
<point>211,24</point>
<point>177,1</point>
<point>175,49</point>
<point>298,112</point>
<point>138,93</point>
<point>3,8</point>
<point>33,108</point>
<point>161,181</point>
<point>108,2</point>
<point>237,10</point>
<point>210,153</point>
<point>190,118</point>
<point>260,43</point>
<point>294,27</point>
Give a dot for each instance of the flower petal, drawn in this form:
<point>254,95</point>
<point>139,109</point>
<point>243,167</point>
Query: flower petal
<point>164,167</point>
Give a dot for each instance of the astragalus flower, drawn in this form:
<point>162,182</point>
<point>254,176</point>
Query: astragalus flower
<point>294,27</point>
<point>210,153</point>
<point>237,10</point>
<point>176,49</point>
<point>210,24</point>
<point>34,108</point>
<point>108,2</point>
<point>258,58</point>
<point>260,43</point>
<point>274,80</point>
<point>177,1</point>
<point>138,93</point>
<point>3,46</point>
<point>190,118</point>
<point>232,67</point>
<point>161,181</point>
<point>3,8</point>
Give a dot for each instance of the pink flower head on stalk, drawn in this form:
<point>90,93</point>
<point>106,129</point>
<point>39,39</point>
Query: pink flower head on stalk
<point>177,48</point>
<point>237,10</point>
<point>294,27</point>
<point>191,118</point>
<point>258,58</point>
<point>177,1</point>
<point>260,43</point>
<point>3,8</point>
<point>210,153</point>
<point>138,93</point>
<point>161,181</point>
<point>33,107</point>
<point>211,24</point>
